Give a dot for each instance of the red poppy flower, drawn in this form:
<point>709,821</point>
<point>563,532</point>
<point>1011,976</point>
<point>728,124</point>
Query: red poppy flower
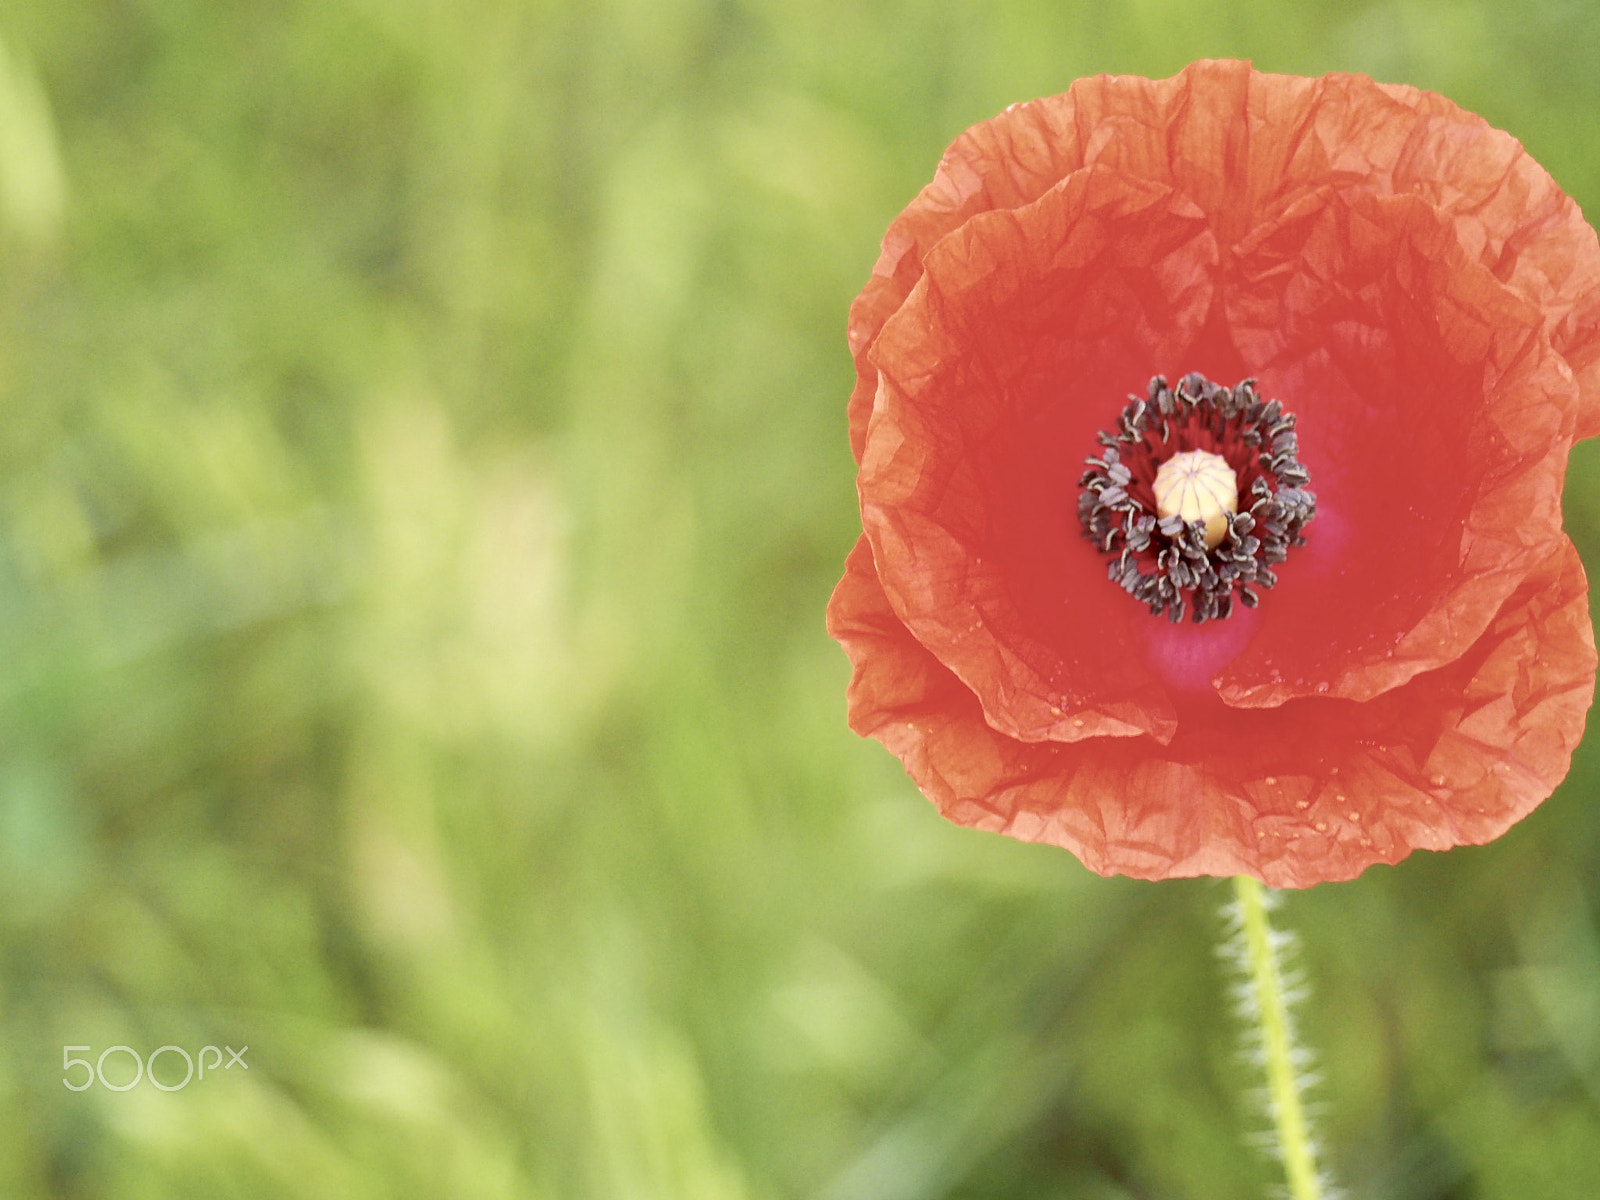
<point>1410,285</point>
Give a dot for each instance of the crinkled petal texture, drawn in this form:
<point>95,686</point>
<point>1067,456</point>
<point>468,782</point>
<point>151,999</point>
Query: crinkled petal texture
<point>1424,299</point>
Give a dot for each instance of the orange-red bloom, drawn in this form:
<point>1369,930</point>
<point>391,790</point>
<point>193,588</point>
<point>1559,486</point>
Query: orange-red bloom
<point>1411,285</point>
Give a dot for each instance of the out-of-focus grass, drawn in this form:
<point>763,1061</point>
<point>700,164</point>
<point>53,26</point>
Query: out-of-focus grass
<point>422,473</point>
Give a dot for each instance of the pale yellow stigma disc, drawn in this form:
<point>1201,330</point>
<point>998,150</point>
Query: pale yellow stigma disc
<point>1198,486</point>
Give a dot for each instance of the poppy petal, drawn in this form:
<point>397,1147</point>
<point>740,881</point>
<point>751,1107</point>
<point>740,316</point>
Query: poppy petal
<point>993,378</point>
<point>1435,420</point>
<point>1314,790</point>
<point>1286,135</point>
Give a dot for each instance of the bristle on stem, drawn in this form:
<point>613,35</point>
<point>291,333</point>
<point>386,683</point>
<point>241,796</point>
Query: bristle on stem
<point>1264,998</point>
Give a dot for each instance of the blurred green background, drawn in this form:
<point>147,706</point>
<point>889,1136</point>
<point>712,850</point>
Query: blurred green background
<point>422,473</point>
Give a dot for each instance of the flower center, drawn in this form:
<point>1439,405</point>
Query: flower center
<point>1195,495</point>
<point>1196,485</point>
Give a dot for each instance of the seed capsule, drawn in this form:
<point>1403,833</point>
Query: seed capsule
<point>1197,485</point>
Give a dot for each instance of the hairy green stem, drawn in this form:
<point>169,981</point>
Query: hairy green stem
<point>1271,1011</point>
